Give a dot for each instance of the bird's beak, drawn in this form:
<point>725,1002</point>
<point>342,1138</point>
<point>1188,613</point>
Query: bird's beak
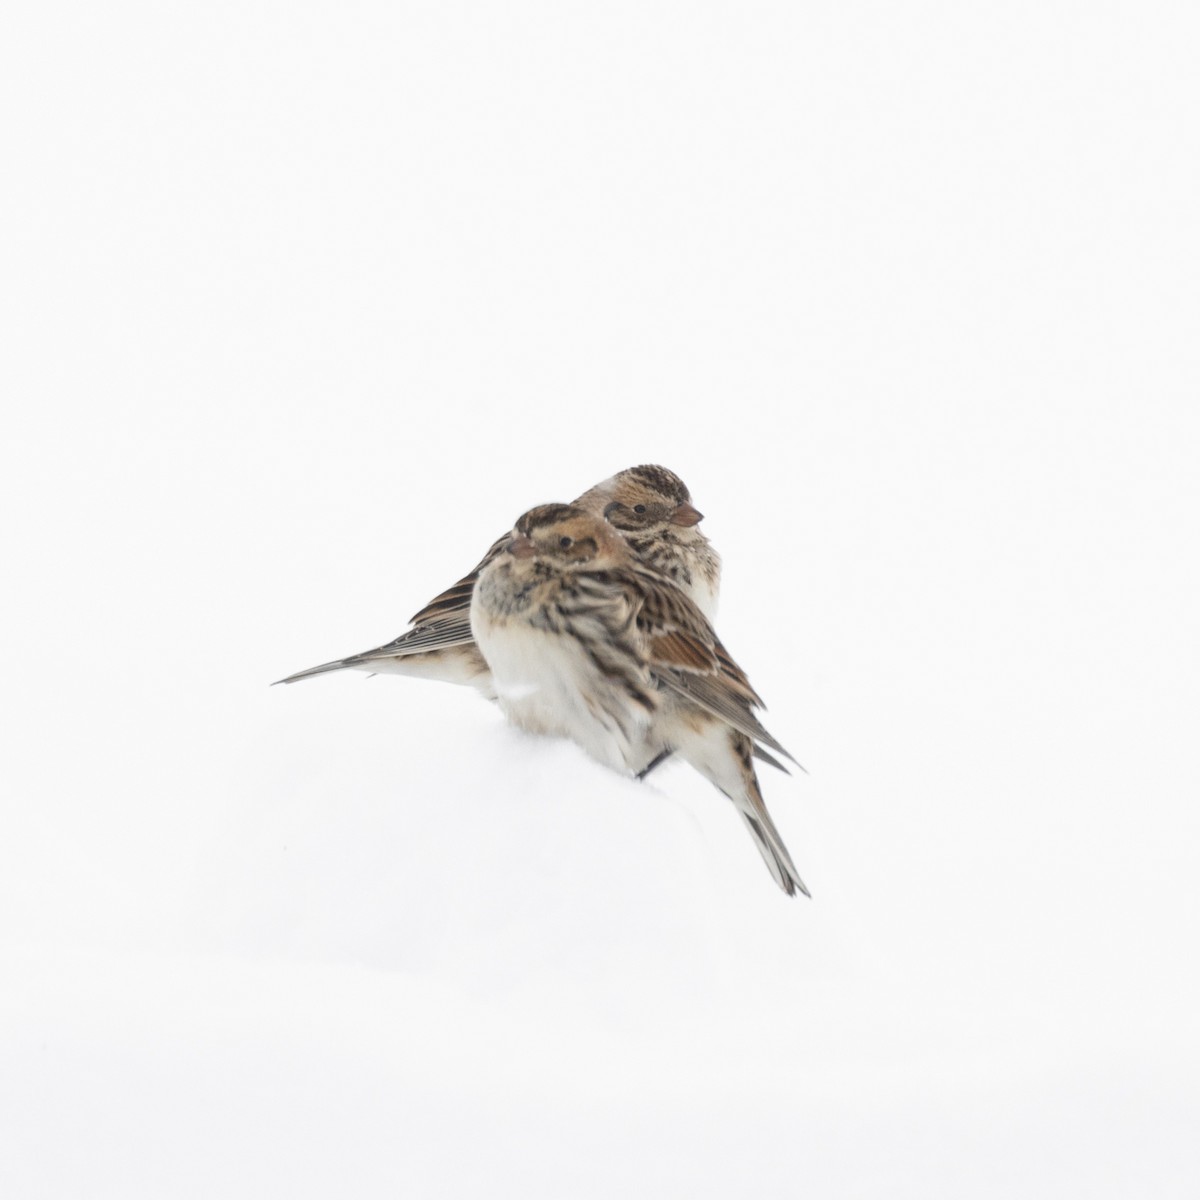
<point>686,515</point>
<point>522,546</point>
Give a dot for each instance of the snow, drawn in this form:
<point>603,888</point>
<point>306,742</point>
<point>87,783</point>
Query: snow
<point>305,306</point>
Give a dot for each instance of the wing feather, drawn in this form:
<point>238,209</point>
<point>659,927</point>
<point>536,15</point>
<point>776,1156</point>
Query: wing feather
<point>457,598</point>
<point>687,657</point>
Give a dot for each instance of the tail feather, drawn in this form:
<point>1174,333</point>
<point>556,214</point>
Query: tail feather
<point>771,760</point>
<point>461,664</point>
<point>337,665</point>
<point>725,757</point>
<point>774,852</point>
<point>427,644</point>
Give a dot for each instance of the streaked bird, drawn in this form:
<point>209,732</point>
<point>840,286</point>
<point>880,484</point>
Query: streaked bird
<point>652,508</point>
<point>585,641</point>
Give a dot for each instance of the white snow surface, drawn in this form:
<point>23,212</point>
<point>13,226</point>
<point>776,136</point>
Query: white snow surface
<point>304,304</point>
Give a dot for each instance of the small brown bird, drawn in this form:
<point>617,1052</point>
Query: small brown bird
<point>585,641</point>
<point>649,504</point>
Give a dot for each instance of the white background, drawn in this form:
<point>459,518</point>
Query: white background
<point>304,303</point>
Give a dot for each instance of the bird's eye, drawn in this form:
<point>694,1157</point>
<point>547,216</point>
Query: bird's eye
<point>639,508</point>
<point>564,542</point>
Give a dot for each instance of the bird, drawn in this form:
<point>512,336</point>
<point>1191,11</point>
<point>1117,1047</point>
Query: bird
<point>649,504</point>
<point>653,509</point>
<point>585,641</point>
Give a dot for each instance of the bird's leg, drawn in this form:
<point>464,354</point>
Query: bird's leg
<point>657,761</point>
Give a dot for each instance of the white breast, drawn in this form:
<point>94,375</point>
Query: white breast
<point>546,684</point>
<point>703,594</point>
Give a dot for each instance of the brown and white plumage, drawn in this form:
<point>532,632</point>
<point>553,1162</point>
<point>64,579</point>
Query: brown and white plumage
<point>649,504</point>
<point>585,641</point>
<point>653,510</point>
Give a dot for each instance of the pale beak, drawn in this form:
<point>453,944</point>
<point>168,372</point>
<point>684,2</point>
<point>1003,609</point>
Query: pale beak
<point>686,515</point>
<point>522,546</point>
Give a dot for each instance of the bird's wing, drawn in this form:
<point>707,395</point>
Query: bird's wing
<point>715,695</point>
<point>442,636</point>
<point>686,655</point>
<point>438,635</point>
<point>443,623</point>
<point>456,601</point>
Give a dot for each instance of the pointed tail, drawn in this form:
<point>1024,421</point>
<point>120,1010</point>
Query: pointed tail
<point>770,846</point>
